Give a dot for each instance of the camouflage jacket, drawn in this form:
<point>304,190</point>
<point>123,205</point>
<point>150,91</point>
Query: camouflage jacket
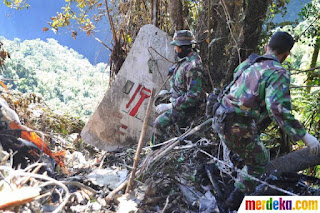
<point>263,90</point>
<point>186,82</point>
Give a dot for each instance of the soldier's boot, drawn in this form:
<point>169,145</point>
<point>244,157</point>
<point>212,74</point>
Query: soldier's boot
<point>234,200</point>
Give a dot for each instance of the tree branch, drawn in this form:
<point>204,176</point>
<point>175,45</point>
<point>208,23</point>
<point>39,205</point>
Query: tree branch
<point>302,71</point>
<point>296,86</point>
<point>101,42</point>
<point>111,23</point>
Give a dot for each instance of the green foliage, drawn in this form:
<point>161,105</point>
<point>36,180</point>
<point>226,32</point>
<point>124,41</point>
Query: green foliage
<point>311,19</point>
<point>77,12</point>
<point>83,13</point>
<point>17,4</point>
<point>308,106</point>
<point>305,103</point>
<point>66,80</point>
<point>311,16</point>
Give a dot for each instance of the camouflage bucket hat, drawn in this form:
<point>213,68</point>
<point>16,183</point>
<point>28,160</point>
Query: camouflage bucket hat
<point>183,37</point>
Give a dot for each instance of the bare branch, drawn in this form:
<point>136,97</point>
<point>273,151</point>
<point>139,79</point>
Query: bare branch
<point>101,42</point>
<point>302,71</point>
<point>296,86</point>
<point>111,23</point>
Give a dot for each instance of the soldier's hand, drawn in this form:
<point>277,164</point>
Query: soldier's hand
<point>163,107</point>
<point>312,143</point>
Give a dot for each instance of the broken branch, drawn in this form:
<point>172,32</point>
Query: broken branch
<point>302,71</point>
<point>140,144</point>
<point>296,86</point>
<point>110,196</point>
<point>101,42</point>
<point>51,181</point>
<point>80,185</point>
<point>250,176</point>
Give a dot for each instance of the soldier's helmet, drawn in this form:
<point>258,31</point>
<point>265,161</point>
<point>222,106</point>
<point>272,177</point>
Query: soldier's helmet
<point>183,37</point>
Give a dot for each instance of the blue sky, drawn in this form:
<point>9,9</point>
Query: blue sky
<point>27,24</point>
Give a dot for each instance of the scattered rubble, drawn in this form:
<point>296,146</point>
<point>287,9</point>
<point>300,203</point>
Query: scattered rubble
<point>188,173</point>
<point>108,177</point>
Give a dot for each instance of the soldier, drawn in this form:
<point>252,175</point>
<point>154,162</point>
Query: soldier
<point>186,87</point>
<point>260,89</point>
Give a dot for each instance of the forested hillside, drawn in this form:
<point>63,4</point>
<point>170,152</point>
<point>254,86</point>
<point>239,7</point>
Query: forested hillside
<point>66,80</point>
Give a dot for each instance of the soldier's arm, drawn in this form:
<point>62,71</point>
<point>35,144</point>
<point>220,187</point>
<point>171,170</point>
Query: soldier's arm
<point>278,103</point>
<point>194,87</point>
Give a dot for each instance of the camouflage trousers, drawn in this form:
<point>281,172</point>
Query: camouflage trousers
<point>241,136</point>
<point>164,121</point>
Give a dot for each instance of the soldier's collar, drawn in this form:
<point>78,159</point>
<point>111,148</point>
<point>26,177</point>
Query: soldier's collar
<point>271,56</point>
<point>191,56</point>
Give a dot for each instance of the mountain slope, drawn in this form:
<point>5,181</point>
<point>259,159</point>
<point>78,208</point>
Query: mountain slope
<point>66,80</point>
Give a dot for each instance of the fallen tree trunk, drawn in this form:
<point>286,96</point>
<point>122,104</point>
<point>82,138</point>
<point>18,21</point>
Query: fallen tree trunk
<point>293,162</point>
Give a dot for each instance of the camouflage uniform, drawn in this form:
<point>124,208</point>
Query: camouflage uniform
<point>186,94</point>
<point>262,90</point>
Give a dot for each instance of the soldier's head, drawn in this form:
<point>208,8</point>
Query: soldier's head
<point>280,44</point>
<point>182,42</point>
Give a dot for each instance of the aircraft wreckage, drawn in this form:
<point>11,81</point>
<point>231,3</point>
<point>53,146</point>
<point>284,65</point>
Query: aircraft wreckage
<point>118,119</point>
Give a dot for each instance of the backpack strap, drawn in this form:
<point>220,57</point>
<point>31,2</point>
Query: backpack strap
<point>252,59</point>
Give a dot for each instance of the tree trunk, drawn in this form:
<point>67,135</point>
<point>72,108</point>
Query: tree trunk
<point>293,162</point>
<point>235,28</point>
<point>315,53</point>
<point>311,75</point>
<point>176,16</point>
<point>155,13</point>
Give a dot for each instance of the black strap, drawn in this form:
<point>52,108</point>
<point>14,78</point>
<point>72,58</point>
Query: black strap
<point>253,58</point>
<point>174,73</point>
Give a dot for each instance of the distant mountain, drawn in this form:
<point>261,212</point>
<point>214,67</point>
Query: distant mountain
<point>27,24</point>
<point>66,80</point>
<point>293,10</point>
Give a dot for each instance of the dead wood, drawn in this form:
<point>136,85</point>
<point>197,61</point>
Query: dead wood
<point>111,195</point>
<point>293,162</point>
<point>13,175</point>
<point>155,156</point>
<point>18,197</point>
<point>141,140</point>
